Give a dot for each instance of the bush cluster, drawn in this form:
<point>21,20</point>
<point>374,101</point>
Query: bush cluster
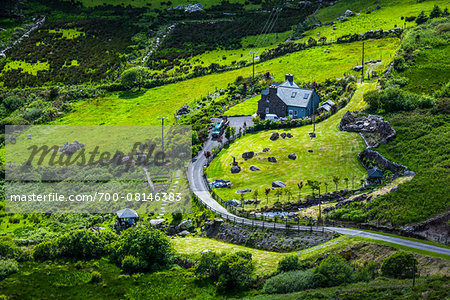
<point>230,271</point>
<point>395,99</point>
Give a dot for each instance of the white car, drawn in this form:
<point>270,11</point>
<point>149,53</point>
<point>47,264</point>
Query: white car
<point>272,117</point>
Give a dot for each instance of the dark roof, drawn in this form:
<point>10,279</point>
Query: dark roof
<point>375,173</point>
<point>292,95</point>
<point>127,213</point>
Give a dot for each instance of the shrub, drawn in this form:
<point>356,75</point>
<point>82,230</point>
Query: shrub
<point>81,244</point>
<point>7,267</point>
<point>44,251</point>
<point>96,277</point>
<point>131,264</point>
<point>399,265</point>
<point>444,92</point>
<point>208,265</point>
<point>289,263</point>
<point>421,18</point>
<point>235,270</point>
<point>289,282</point>
<point>395,99</point>
<point>13,102</point>
<point>333,270</point>
<point>8,249</point>
<point>148,245</point>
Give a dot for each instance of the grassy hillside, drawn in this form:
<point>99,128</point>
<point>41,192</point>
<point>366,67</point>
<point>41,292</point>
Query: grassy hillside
<point>389,16</point>
<point>334,154</point>
<point>144,107</point>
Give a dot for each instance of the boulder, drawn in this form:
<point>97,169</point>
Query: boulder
<point>409,174</point>
<point>248,155</point>
<point>184,233</point>
<point>71,148</point>
<point>283,135</point>
<point>184,225</point>
<point>289,135</point>
<point>242,191</point>
<point>235,169</point>
<point>272,159</point>
<point>232,202</point>
<point>266,149</point>
<point>275,136</point>
<point>278,184</point>
<point>254,168</point>
<point>292,156</point>
<point>357,68</point>
<point>394,189</point>
<point>157,222</point>
<point>184,110</point>
<point>349,13</point>
<point>205,251</point>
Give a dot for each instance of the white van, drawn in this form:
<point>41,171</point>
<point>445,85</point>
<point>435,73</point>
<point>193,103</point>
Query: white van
<point>272,117</point>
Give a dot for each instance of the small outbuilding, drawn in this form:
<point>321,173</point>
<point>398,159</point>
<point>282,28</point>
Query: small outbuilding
<point>374,175</point>
<point>126,218</point>
<point>327,106</point>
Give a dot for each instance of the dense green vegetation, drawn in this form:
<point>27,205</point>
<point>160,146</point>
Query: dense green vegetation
<point>421,133</point>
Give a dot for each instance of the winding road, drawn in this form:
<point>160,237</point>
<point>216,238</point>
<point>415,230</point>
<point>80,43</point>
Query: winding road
<point>200,188</point>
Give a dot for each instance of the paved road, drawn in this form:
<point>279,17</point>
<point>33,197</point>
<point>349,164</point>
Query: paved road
<point>200,189</point>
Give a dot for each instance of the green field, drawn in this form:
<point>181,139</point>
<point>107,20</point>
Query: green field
<point>430,70</point>
<point>337,157</point>
<point>246,108</point>
<point>144,107</point>
<point>387,17</point>
<point>30,68</point>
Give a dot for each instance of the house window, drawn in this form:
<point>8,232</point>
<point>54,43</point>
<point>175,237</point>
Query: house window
<point>293,94</point>
<point>306,96</point>
<point>290,113</point>
<point>295,113</point>
<point>267,110</point>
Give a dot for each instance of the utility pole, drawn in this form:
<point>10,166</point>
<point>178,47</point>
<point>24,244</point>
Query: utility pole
<point>362,71</point>
<point>162,132</point>
<point>253,55</point>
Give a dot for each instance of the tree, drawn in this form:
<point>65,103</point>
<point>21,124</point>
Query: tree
<point>399,265</point>
<point>278,193</point>
<point>336,180</point>
<point>333,270</point>
<point>267,191</point>
<point>346,182</point>
<point>288,194</point>
<point>255,195</point>
<point>228,270</point>
<point>300,186</point>
<point>134,77</point>
<point>323,40</point>
<point>421,18</point>
<point>312,42</point>
<point>289,263</point>
<point>143,247</point>
<point>436,12</point>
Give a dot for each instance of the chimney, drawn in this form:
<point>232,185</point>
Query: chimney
<point>289,77</point>
<point>273,90</point>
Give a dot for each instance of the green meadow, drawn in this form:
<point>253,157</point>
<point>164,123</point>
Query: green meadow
<point>30,68</point>
<point>144,107</point>
<point>385,18</point>
<point>334,153</point>
<point>429,71</point>
<point>246,108</point>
